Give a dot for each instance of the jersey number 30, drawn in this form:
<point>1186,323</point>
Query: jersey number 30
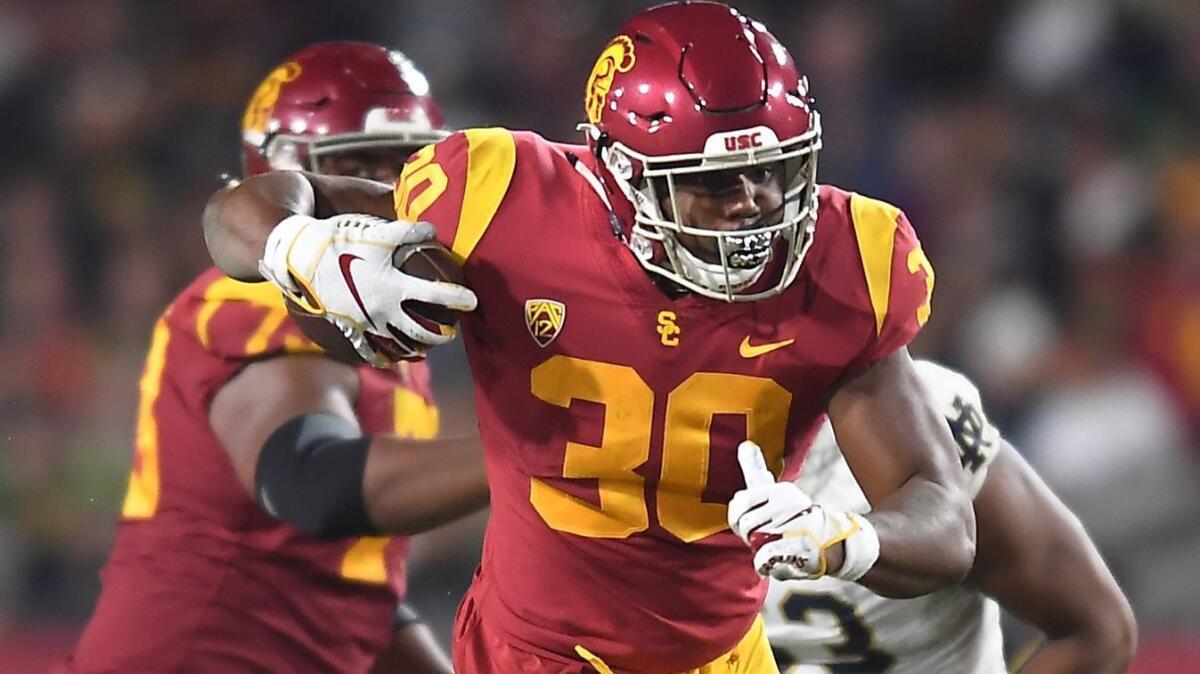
<point>625,445</point>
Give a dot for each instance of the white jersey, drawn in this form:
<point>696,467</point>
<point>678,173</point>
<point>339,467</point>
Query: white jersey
<point>830,625</point>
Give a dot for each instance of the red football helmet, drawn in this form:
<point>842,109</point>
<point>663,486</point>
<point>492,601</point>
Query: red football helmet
<point>337,97</point>
<point>690,89</point>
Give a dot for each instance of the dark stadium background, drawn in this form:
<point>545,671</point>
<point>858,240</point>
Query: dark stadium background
<point>1048,152</point>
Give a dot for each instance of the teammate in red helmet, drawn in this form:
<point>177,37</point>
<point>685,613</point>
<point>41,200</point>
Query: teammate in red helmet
<point>341,108</point>
<point>665,315</point>
<point>203,577</point>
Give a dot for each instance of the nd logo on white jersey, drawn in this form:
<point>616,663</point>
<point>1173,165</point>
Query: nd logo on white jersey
<point>545,319</point>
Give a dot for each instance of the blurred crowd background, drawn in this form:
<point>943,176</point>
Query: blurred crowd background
<point>1047,151</point>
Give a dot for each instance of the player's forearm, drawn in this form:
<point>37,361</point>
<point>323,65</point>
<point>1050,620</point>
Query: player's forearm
<point>902,453</point>
<point>1036,559</point>
<point>318,472</point>
<point>238,219</point>
<point>926,539</point>
<point>1071,598</point>
<point>413,486</point>
<point>1083,653</point>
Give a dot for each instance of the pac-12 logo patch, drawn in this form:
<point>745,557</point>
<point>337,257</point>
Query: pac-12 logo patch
<point>545,319</point>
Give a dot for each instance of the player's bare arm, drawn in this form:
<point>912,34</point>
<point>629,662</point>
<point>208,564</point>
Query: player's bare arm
<point>290,430</point>
<point>902,453</point>
<point>920,535</point>
<point>1035,558</point>
<point>238,218</point>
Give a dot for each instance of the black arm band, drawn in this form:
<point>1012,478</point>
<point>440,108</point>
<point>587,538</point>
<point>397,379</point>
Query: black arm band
<point>310,474</point>
<point>405,616</point>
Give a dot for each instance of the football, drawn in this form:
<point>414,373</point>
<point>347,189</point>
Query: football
<point>429,260</point>
<point>432,261</point>
<point>323,333</point>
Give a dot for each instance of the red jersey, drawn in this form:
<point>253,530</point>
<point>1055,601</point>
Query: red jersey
<point>200,579</point>
<point>611,413</point>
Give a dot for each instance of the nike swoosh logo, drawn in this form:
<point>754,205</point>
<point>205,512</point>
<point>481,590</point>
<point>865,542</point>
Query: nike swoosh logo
<point>344,261</point>
<point>748,350</point>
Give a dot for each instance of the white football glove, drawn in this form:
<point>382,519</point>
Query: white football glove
<point>788,533</point>
<point>341,268</point>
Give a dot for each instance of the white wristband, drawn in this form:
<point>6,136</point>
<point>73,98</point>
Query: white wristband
<point>861,549</point>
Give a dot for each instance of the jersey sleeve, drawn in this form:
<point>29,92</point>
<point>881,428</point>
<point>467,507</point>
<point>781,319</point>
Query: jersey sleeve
<point>959,401</point>
<point>898,275</point>
<point>458,185</point>
<point>399,401</point>
<point>240,321</point>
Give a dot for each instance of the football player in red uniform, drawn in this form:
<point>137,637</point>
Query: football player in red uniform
<point>646,303</point>
<point>201,579</point>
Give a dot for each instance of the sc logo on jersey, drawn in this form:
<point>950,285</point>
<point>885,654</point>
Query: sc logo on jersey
<point>668,330</point>
<point>545,319</point>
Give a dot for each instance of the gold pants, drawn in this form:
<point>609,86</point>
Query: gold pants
<point>751,655</point>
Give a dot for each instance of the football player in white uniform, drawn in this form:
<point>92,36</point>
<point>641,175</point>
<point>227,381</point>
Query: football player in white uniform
<point>1032,556</point>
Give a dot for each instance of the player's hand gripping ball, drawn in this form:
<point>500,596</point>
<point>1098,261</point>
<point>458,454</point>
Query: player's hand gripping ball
<point>367,289</point>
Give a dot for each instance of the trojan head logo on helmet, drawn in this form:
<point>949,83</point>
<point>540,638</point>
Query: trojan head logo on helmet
<point>694,96</point>
<point>333,98</point>
<point>616,57</point>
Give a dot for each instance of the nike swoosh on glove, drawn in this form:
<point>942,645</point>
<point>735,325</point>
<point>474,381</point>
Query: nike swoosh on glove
<point>788,533</point>
<point>341,268</point>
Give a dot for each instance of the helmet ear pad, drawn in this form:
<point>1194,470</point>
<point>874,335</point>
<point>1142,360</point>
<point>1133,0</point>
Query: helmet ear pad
<point>284,154</point>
